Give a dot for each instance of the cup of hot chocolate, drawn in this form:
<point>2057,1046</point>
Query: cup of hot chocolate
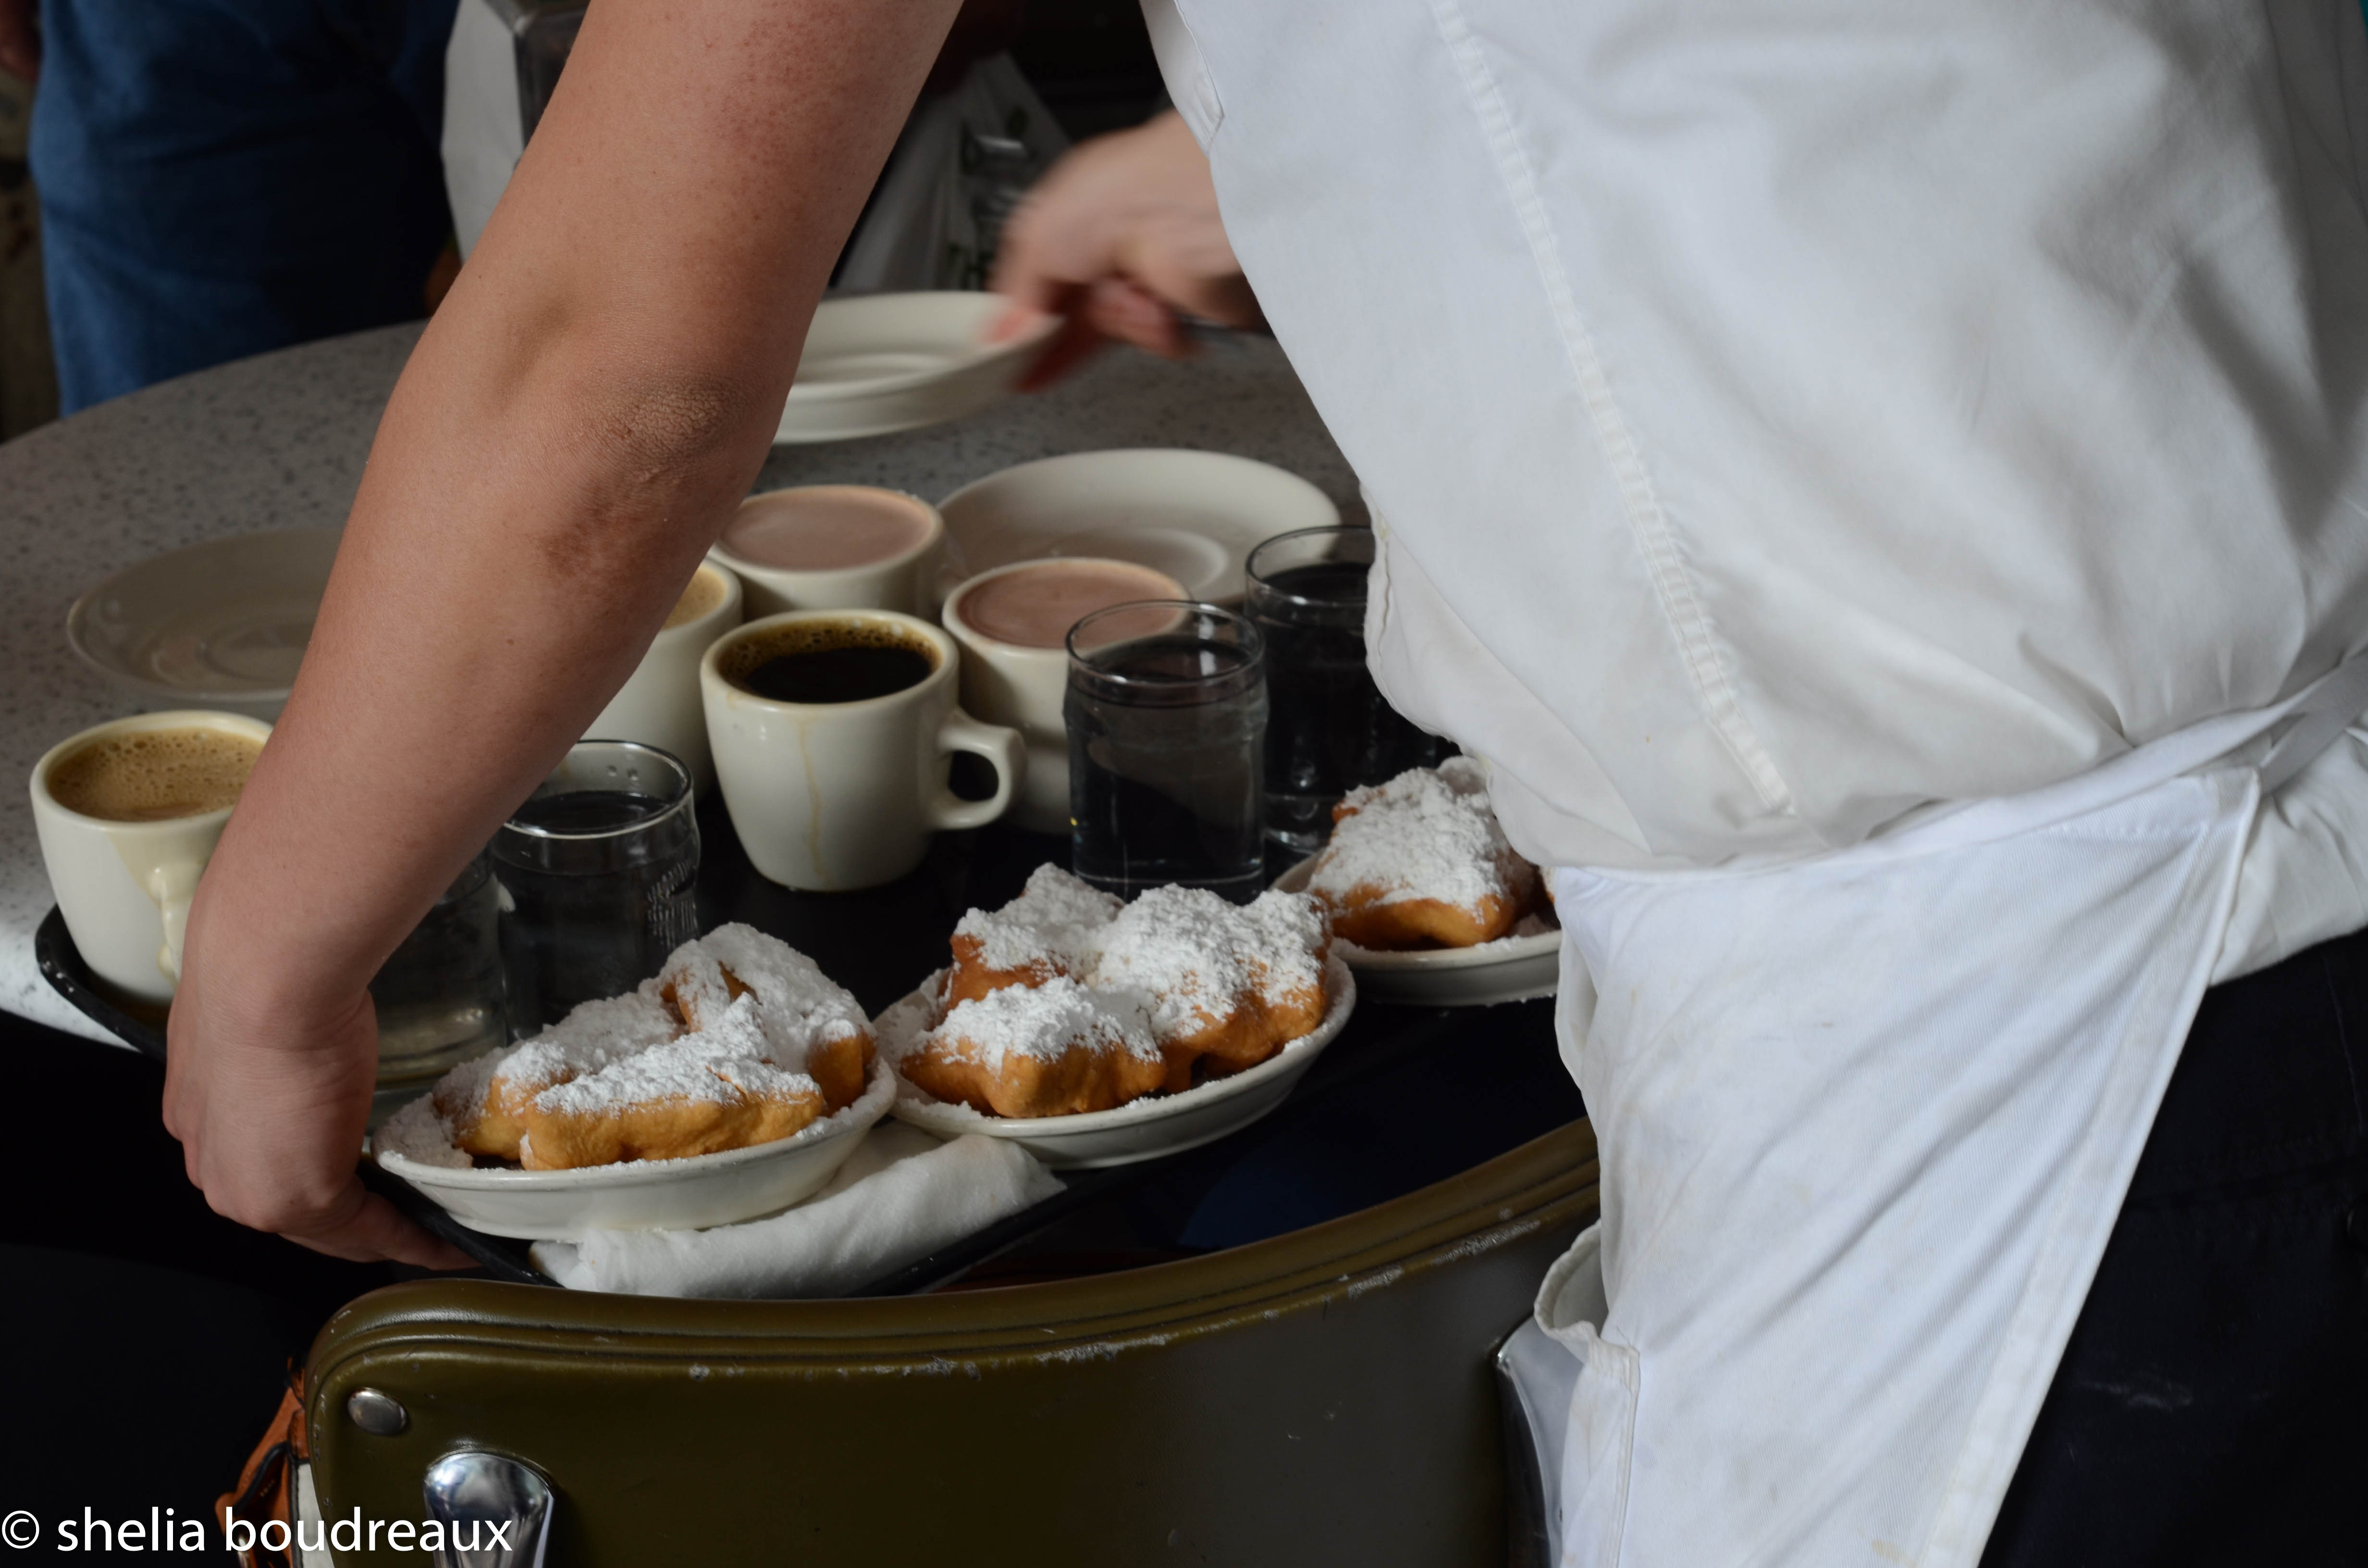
<point>835,547</point>
<point>127,813</point>
<point>1012,623</point>
<point>659,704</point>
<point>833,733</point>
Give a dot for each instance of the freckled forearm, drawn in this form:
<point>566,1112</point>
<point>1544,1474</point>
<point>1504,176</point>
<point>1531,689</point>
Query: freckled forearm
<point>594,396</point>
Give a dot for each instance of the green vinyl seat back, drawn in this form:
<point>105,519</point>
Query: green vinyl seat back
<point>1323,1397</point>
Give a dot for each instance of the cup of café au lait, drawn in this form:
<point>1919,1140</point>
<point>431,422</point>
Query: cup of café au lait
<point>127,813</point>
<point>659,703</point>
<point>833,733</point>
<point>1012,624</point>
<point>835,547</point>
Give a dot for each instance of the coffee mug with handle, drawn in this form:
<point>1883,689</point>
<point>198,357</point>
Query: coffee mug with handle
<point>125,887</point>
<point>835,796</point>
<point>659,704</point>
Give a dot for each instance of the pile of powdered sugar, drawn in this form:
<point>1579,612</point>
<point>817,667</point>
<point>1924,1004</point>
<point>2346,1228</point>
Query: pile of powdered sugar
<point>799,1007</point>
<point>1427,834</point>
<point>1055,918</point>
<point>632,1049</point>
<point>592,1036</point>
<point>711,1066</point>
<point>419,1132</point>
<point>1189,955</point>
<point>1137,974</point>
<point>1044,1022</point>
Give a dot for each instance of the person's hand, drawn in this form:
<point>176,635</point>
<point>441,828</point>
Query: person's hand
<point>269,1102</point>
<point>1121,239</point>
<point>21,37</point>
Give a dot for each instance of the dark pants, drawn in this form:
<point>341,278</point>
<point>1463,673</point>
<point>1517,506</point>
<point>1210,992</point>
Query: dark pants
<point>221,177</point>
<point>2212,1406</point>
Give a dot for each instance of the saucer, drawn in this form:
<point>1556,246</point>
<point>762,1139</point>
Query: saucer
<point>1195,515</point>
<point>1139,1130</point>
<point>690,1194</point>
<point>875,364</point>
<point>219,625</point>
<point>1510,969</point>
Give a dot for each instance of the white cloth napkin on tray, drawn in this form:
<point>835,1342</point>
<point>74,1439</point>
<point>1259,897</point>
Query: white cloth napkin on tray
<point>899,1197</point>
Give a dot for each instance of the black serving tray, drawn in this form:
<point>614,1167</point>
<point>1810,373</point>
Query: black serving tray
<point>883,942</point>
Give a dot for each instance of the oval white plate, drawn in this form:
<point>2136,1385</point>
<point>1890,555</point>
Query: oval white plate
<point>220,625</point>
<point>875,364</point>
<point>1195,515</point>
<point>653,1195</point>
<point>1510,969</point>
<point>1144,1129</point>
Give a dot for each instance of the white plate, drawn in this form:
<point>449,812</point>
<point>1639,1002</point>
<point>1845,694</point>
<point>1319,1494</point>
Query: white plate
<point>1144,1129</point>
<point>1195,515</point>
<point>1510,969</point>
<point>878,363</point>
<point>220,625</point>
<point>653,1195</point>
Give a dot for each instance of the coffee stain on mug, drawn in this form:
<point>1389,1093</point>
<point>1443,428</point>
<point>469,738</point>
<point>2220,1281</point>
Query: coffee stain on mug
<point>813,805</point>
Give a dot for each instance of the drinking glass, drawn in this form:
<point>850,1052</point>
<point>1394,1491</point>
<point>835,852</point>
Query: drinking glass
<point>600,869</point>
<point>1166,718</point>
<point>1329,727</point>
<point>440,995</point>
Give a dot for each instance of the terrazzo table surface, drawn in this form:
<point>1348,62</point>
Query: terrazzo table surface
<point>278,441</point>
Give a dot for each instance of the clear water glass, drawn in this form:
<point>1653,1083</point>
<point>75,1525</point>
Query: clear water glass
<point>599,872</point>
<point>1166,715</point>
<point>1329,728</point>
<point>440,995</point>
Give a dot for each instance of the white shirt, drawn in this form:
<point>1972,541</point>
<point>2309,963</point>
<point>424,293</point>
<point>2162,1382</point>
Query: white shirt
<point>1787,417</point>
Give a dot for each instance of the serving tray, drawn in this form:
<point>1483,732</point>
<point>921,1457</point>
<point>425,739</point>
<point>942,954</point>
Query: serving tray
<point>880,944</point>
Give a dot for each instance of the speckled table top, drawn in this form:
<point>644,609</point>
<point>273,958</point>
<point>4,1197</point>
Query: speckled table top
<point>278,441</point>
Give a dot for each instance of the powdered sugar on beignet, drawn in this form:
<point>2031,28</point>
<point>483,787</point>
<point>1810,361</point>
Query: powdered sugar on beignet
<point>1050,1050</point>
<point>1048,930</point>
<point>811,1023</point>
<point>485,1100</point>
<point>704,1091</point>
<point>1420,861</point>
<point>1226,987</point>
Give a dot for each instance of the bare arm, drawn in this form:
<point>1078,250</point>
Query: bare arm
<point>596,393</point>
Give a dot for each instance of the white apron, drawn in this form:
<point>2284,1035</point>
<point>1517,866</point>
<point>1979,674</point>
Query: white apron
<point>1866,1123</point>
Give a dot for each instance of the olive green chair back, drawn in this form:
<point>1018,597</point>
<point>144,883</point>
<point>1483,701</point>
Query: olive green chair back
<point>1324,1396</point>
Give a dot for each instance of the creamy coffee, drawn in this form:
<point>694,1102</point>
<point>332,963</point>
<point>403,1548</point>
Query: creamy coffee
<point>1035,606</point>
<point>154,774</point>
<point>827,527</point>
<point>707,590</point>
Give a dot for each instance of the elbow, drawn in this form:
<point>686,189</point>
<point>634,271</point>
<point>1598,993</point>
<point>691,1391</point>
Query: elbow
<point>653,432</point>
<point>658,458</point>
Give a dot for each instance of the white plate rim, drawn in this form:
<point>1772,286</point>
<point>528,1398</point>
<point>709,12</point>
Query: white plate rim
<point>859,1117</point>
<point>914,1105</point>
<point>977,354</point>
<point>83,608</point>
<point>956,502</point>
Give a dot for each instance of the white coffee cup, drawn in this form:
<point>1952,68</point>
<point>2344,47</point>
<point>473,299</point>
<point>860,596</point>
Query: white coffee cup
<point>832,796</point>
<point>866,548</point>
<point>659,704</point>
<point>125,887</point>
<point>1022,683</point>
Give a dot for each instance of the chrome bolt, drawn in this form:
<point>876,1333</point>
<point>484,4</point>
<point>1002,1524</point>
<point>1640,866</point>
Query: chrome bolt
<point>377,1414</point>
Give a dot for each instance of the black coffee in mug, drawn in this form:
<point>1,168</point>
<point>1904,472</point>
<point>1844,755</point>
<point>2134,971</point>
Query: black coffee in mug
<point>826,662</point>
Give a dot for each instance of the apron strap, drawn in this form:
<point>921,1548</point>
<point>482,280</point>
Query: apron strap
<point>2322,714</point>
